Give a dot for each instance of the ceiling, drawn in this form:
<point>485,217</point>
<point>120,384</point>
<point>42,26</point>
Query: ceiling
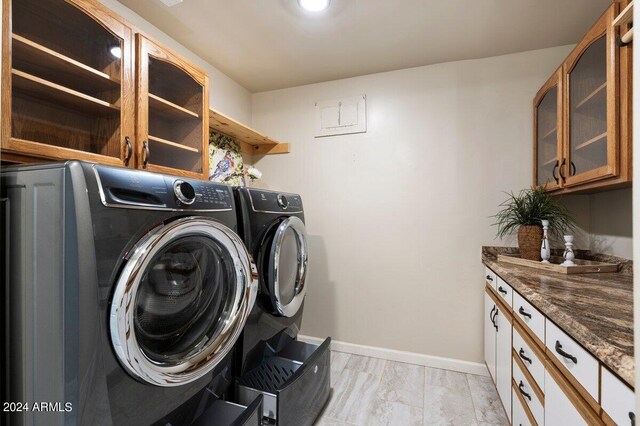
<point>272,44</point>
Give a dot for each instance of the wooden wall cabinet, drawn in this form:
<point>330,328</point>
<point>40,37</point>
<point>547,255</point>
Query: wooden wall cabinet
<point>76,86</point>
<point>172,111</point>
<point>582,116</point>
<point>548,143</point>
<point>67,81</point>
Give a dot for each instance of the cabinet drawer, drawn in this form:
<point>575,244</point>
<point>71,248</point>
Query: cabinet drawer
<point>529,315</point>
<point>618,400</point>
<point>490,277</point>
<point>519,415</point>
<point>559,409</point>
<point>529,358</point>
<point>224,413</point>
<point>580,364</point>
<point>505,291</point>
<point>528,394</point>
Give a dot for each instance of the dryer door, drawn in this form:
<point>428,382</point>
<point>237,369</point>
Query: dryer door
<point>287,269</point>
<point>181,301</point>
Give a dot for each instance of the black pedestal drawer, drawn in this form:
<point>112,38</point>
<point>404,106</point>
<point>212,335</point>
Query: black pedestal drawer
<point>294,382</point>
<point>223,413</point>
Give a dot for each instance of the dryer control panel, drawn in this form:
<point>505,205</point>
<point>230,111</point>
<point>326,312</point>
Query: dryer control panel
<point>140,189</point>
<point>275,202</point>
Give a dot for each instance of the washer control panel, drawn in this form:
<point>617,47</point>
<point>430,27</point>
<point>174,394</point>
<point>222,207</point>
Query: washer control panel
<point>275,202</point>
<point>135,188</point>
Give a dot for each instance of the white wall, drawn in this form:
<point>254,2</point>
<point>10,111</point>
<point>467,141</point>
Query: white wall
<point>226,95</point>
<point>396,216</point>
<point>605,222</point>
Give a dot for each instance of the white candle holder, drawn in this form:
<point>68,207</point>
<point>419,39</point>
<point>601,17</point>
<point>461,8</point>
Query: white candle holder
<point>568,251</point>
<point>545,250</point>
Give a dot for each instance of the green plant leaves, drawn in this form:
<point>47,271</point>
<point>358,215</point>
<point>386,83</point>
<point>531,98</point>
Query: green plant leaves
<point>529,207</point>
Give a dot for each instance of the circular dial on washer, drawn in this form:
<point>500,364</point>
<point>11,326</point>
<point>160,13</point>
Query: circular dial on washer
<point>184,192</point>
<point>283,201</point>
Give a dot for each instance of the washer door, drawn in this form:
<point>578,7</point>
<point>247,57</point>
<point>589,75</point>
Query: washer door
<point>287,270</point>
<point>181,301</point>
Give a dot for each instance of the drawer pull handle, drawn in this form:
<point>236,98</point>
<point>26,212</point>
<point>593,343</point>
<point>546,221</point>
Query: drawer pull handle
<point>524,357</point>
<point>493,320</point>
<point>489,278</point>
<point>127,156</point>
<point>632,417</point>
<point>524,313</point>
<point>502,290</point>
<point>526,395</point>
<point>564,354</point>
<point>491,313</point>
<point>147,154</point>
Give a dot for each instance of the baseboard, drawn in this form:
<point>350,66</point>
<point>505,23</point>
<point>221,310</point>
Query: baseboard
<point>403,356</point>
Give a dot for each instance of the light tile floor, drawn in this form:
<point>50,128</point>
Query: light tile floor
<point>371,391</point>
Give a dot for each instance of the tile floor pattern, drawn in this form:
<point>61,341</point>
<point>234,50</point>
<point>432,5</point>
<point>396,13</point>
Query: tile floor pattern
<point>371,391</point>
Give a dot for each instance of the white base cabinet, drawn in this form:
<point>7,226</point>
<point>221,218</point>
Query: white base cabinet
<point>558,408</point>
<point>489,335</point>
<point>503,359</point>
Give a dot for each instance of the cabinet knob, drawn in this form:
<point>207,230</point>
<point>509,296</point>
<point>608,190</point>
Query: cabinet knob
<point>524,313</point>
<point>127,157</point>
<point>564,354</point>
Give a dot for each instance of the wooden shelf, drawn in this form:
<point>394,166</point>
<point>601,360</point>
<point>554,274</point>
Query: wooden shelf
<point>592,95</point>
<point>624,17</point>
<point>168,109</point>
<point>548,163</point>
<point>601,137</point>
<point>37,59</point>
<point>251,141</point>
<point>173,144</point>
<point>45,90</point>
<point>550,132</point>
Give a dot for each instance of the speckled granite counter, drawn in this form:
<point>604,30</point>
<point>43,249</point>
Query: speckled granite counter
<point>595,309</point>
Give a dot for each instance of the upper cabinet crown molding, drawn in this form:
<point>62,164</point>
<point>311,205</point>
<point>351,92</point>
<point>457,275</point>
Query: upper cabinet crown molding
<point>591,115</point>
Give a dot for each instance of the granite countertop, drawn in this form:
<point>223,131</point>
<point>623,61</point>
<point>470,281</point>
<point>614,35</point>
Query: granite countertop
<point>595,309</point>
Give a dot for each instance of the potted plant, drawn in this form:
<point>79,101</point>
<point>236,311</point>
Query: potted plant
<point>524,212</point>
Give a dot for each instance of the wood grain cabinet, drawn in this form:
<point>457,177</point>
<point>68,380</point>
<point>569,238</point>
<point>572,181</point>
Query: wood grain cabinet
<point>547,119</point>
<point>67,82</point>
<point>172,111</point>
<point>582,115</point>
<point>77,84</point>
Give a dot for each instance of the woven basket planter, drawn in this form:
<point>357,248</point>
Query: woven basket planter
<point>529,241</point>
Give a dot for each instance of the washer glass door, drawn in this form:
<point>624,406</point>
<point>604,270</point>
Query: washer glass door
<point>181,301</point>
<point>287,266</point>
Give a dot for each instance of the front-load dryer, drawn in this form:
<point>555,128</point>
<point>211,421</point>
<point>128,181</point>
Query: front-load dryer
<point>292,376</point>
<point>127,291</point>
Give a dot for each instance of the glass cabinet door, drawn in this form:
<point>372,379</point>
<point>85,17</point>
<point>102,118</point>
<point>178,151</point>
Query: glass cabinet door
<point>173,112</point>
<point>548,133</point>
<point>591,103</point>
<point>69,78</point>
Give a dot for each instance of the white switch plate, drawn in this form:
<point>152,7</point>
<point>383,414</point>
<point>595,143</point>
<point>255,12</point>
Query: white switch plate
<point>341,116</point>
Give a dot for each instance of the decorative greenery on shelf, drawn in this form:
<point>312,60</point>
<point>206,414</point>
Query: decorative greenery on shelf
<point>529,207</point>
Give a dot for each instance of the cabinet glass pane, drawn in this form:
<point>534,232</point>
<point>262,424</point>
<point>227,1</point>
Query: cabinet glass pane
<point>547,134</point>
<point>588,109</point>
<point>175,117</point>
<point>66,78</point>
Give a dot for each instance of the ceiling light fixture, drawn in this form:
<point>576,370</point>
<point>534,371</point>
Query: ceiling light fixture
<point>314,5</point>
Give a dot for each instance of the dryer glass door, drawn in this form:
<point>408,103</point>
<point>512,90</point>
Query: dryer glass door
<point>181,301</point>
<point>288,266</point>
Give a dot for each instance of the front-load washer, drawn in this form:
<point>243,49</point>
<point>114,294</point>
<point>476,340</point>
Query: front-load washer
<point>292,376</point>
<point>127,291</point>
